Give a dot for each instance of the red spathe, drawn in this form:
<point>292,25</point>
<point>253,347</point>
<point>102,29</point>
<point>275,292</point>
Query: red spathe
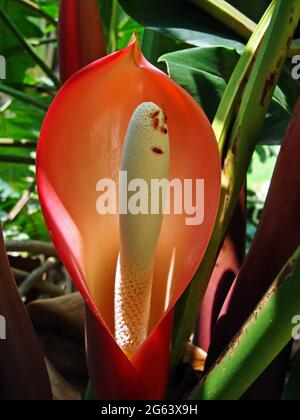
<point>81,142</point>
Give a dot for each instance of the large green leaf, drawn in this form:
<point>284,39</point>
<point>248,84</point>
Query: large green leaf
<point>17,62</point>
<point>181,20</point>
<point>204,73</point>
<point>20,121</point>
<point>49,6</point>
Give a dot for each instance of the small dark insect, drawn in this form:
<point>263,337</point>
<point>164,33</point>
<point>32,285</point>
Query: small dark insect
<point>156,123</point>
<point>155,114</point>
<point>165,116</point>
<point>157,151</point>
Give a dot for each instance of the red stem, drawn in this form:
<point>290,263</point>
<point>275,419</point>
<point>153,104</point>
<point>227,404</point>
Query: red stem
<point>23,371</point>
<point>227,267</point>
<point>80,36</point>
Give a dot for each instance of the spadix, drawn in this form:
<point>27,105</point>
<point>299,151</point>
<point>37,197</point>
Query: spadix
<point>146,156</point>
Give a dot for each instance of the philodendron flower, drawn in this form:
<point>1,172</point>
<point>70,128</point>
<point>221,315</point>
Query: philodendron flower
<point>121,122</point>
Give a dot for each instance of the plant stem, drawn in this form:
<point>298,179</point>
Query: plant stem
<point>31,247</point>
<point>40,42</point>
<point>17,159</point>
<point>27,47</point>
<point>241,144</point>
<point>230,16</point>
<point>22,202</point>
<point>48,288</point>
<point>36,10</point>
<point>230,101</point>
<point>261,339</point>
<point>39,88</point>
<point>19,274</point>
<point>22,97</point>
<point>233,19</point>
<point>113,27</point>
<point>36,275</point>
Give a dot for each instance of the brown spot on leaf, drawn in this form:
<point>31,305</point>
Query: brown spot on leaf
<point>279,62</point>
<point>164,130</point>
<point>234,146</point>
<point>269,84</point>
<point>287,272</point>
<point>289,41</point>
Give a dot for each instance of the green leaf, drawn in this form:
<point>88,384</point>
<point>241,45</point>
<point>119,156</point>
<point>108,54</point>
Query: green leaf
<point>49,6</point>
<point>181,20</point>
<point>261,339</point>
<point>205,72</point>
<point>20,121</point>
<point>17,63</point>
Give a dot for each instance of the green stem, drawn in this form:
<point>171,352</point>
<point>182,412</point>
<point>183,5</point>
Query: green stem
<point>260,340</point>
<point>231,17</point>
<point>17,160</point>
<point>33,7</point>
<point>230,101</point>
<point>113,26</point>
<point>27,47</point>
<point>39,88</point>
<point>40,42</point>
<point>23,97</point>
<point>241,144</point>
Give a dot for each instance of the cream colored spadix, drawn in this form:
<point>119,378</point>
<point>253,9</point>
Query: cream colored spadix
<point>145,157</point>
